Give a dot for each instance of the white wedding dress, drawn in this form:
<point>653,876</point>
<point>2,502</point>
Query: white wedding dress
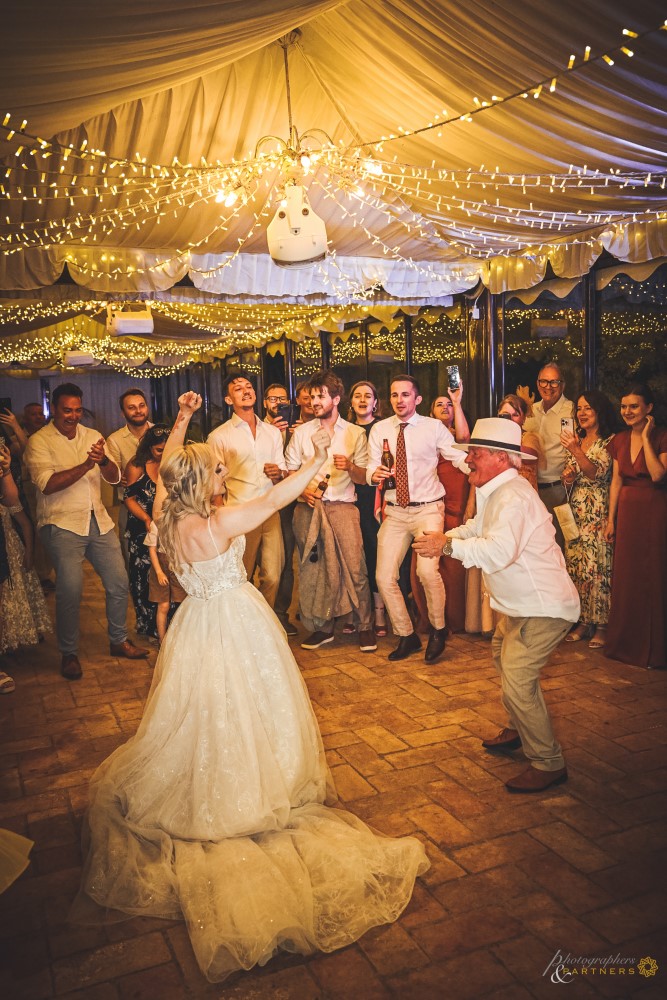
<point>214,811</point>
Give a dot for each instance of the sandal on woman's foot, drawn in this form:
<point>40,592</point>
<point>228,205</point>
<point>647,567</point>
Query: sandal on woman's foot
<point>578,633</point>
<point>599,638</point>
<point>349,629</point>
<point>7,683</point>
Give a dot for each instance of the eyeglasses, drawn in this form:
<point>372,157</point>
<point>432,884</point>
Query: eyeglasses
<point>277,399</point>
<point>160,432</point>
<point>553,383</point>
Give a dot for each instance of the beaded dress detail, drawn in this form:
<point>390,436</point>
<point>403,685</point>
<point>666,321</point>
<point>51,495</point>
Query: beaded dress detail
<point>214,811</point>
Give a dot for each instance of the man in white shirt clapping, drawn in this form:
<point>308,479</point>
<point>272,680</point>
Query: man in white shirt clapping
<point>511,539</point>
<point>66,462</point>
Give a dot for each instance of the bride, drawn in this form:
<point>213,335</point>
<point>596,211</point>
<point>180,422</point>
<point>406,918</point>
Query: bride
<point>214,811</point>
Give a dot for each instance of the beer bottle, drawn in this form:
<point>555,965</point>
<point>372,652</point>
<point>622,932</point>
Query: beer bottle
<point>387,461</point>
<point>321,487</point>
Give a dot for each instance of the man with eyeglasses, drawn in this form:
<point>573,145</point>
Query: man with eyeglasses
<point>546,422</point>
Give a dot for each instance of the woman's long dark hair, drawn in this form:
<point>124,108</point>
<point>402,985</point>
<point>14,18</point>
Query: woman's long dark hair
<point>157,434</point>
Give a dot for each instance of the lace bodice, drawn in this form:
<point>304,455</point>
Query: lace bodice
<point>208,577</point>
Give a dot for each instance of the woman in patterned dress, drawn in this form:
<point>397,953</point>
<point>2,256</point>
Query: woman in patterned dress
<point>142,474</point>
<point>588,472</point>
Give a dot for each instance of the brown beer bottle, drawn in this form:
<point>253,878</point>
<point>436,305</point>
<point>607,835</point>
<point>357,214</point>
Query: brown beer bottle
<point>387,461</point>
<point>321,487</point>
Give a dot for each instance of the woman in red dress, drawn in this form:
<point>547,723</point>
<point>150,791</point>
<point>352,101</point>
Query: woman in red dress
<point>448,409</point>
<point>637,631</point>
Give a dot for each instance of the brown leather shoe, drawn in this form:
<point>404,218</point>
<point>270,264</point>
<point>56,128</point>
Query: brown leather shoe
<point>507,739</point>
<point>128,650</point>
<point>70,667</point>
<point>533,780</point>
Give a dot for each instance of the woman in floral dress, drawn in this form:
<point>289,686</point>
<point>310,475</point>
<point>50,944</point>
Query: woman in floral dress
<point>142,474</point>
<point>588,471</point>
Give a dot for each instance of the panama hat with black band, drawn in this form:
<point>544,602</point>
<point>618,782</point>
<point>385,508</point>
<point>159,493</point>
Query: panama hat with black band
<point>496,434</point>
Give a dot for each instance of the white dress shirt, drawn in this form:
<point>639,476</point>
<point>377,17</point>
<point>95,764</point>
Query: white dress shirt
<point>246,455</point>
<point>426,440</point>
<point>547,427</point>
<point>348,439</point>
<point>512,540</point>
<point>50,451</point>
<point>122,446</point>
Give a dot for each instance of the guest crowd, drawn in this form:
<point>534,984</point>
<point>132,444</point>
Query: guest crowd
<point>360,535</point>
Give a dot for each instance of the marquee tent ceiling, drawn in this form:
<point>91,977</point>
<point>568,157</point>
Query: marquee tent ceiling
<point>467,141</point>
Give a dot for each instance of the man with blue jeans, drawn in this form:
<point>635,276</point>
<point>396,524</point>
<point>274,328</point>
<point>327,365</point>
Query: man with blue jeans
<point>66,461</point>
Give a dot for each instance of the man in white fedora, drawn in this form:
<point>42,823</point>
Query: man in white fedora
<point>512,540</point>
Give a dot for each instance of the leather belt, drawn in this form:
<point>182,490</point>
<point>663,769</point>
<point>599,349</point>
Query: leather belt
<point>414,503</point>
<point>547,486</point>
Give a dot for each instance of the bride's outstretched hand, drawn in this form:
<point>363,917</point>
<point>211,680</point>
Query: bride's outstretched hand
<point>322,441</point>
<point>189,402</point>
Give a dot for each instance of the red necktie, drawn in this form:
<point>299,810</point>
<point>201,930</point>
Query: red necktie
<point>402,485</point>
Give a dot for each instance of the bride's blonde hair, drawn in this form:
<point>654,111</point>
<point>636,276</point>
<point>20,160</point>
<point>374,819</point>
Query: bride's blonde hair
<point>187,476</point>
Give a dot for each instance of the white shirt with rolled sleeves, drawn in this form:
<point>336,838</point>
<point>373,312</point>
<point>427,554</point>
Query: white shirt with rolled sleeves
<point>512,540</point>
<point>246,455</point>
<point>548,429</point>
<point>426,440</point>
<point>50,451</point>
<point>348,439</point>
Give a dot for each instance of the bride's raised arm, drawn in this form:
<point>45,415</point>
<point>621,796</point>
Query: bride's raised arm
<point>228,522</point>
<point>188,404</point>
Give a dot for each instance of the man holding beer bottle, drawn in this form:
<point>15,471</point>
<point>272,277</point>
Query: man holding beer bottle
<point>413,504</point>
<point>333,580</point>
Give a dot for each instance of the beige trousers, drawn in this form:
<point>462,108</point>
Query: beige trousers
<point>264,551</point>
<point>521,647</point>
<point>400,526</point>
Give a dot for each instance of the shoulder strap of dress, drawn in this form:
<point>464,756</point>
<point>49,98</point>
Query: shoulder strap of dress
<point>217,550</point>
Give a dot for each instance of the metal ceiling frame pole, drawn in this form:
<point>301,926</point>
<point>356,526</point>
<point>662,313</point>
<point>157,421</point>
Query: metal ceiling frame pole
<point>45,393</point>
<point>325,349</point>
<point>290,380</point>
<point>155,398</point>
<point>590,330</point>
<point>364,332</point>
<point>407,339</point>
<point>204,371</point>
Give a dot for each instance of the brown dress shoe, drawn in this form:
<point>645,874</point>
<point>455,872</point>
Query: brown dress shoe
<point>507,739</point>
<point>533,780</point>
<point>70,667</point>
<point>128,650</point>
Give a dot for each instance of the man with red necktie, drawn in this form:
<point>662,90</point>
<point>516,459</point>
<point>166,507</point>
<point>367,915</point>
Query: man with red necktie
<point>413,507</point>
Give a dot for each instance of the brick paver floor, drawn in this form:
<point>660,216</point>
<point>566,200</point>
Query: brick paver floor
<point>514,879</point>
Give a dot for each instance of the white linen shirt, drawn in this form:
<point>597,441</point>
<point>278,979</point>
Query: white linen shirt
<point>50,451</point>
<point>512,540</point>
<point>426,440</point>
<point>547,427</point>
<point>348,439</point>
<point>245,456</point>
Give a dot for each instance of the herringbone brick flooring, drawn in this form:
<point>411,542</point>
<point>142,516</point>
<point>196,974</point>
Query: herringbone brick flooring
<point>514,879</point>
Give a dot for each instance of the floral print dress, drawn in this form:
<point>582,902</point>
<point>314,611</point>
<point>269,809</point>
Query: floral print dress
<point>589,557</point>
<point>23,609</point>
<point>143,492</point>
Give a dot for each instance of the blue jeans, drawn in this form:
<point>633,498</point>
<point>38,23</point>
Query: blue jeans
<point>67,551</point>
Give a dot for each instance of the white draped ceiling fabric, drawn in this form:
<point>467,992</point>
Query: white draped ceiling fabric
<point>480,141</point>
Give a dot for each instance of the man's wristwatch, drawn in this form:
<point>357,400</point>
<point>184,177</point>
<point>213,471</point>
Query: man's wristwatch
<point>447,548</point>
<point>105,461</point>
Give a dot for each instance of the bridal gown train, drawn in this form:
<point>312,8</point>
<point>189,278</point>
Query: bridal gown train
<point>214,811</point>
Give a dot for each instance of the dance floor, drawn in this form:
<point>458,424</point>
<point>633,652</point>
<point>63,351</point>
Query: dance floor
<point>515,880</point>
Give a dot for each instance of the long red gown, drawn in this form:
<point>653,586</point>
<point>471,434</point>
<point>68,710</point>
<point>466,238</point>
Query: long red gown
<point>637,631</point>
<point>451,570</point>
